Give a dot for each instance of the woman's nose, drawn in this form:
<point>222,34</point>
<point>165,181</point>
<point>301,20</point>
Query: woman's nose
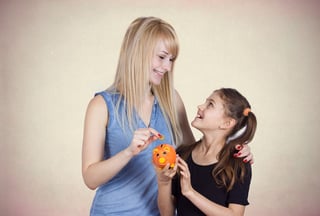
<point>167,64</point>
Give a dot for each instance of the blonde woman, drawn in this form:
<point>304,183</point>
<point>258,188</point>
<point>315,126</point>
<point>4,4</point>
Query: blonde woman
<point>125,122</point>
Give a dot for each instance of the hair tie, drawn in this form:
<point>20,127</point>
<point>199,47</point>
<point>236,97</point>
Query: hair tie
<point>246,111</point>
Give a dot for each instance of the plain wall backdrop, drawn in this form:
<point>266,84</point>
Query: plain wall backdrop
<point>56,54</point>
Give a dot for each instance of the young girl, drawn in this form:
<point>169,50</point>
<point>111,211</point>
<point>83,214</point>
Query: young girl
<point>211,180</point>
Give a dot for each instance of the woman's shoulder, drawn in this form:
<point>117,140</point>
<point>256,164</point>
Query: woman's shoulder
<point>109,95</point>
<point>97,103</point>
<point>97,111</point>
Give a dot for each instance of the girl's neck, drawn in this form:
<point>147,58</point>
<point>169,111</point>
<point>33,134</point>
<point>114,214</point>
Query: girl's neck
<point>210,144</point>
<point>207,151</point>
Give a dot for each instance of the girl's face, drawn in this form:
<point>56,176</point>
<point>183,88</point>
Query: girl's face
<point>211,115</point>
<point>161,63</point>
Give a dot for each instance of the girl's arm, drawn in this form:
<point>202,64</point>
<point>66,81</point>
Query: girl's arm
<point>165,197</point>
<point>205,205</point>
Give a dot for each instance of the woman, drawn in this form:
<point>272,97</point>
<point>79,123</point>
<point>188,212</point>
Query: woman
<point>125,122</point>
<point>210,180</point>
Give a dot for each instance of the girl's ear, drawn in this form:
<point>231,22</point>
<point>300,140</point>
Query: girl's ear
<point>229,123</point>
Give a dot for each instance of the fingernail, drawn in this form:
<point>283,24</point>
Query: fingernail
<point>245,160</point>
<point>238,147</point>
<point>161,137</point>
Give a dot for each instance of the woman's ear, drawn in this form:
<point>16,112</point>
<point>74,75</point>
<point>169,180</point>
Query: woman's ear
<point>228,123</point>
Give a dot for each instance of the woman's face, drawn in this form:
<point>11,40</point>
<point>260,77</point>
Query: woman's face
<point>161,63</point>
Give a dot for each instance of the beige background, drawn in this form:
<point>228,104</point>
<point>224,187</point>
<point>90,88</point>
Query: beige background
<point>56,54</point>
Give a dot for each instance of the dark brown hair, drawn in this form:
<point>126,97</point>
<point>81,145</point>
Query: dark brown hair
<point>229,169</point>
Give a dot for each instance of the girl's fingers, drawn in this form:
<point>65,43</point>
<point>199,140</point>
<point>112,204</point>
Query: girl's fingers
<point>183,166</point>
<point>168,172</point>
<point>181,161</point>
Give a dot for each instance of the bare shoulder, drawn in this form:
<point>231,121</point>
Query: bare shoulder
<point>97,102</point>
<point>97,107</point>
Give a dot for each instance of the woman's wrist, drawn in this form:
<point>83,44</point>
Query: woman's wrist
<point>127,152</point>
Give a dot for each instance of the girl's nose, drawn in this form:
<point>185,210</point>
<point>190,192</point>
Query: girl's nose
<point>200,107</point>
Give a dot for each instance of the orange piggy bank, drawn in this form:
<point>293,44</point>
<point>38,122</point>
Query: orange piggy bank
<point>164,154</point>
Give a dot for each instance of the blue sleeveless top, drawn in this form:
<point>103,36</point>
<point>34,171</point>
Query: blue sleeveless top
<point>133,191</point>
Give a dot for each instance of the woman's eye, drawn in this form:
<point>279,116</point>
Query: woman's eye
<point>162,57</point>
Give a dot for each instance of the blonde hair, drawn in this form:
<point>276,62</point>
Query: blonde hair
<point>134,65</point>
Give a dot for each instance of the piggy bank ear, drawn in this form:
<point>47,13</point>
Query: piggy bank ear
<point>166,148</point>
<point>155,151</point>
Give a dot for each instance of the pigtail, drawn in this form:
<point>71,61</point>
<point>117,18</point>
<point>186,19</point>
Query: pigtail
<point>230,169</point>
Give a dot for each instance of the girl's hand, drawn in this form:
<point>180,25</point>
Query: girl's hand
<point>244,152</point>
<point>165,174</point>
<point>185,177</point>
<point>142,138</point>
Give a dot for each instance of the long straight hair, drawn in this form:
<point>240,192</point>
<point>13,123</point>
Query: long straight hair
<point>133,71</point>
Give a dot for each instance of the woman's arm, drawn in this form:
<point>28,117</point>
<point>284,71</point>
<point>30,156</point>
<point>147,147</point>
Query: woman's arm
<point>96,170</point>
<point>187,134</point>
<point>205,205</point>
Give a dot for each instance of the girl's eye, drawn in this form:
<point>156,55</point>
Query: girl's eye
<point>161,57</point>
<point>210,105</point>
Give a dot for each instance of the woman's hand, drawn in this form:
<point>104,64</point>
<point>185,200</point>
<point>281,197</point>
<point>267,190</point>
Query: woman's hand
<point>142,138</point>
<point>244,152</point>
